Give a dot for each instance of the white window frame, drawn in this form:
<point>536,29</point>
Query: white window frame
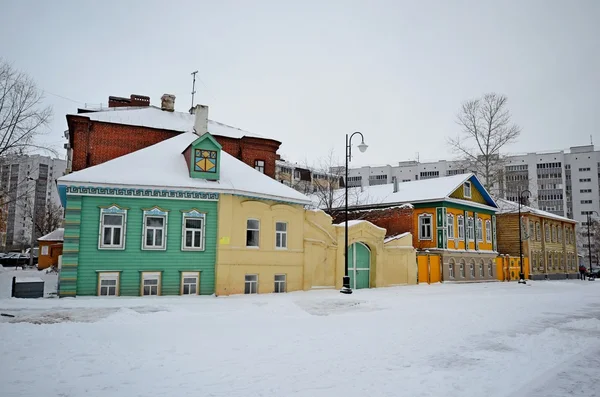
<point>490,267</point>
<point>470,229</point>
<point>421,218</point>
<point>472,270</point>
<point>151,276</point>
<point>193,214</point>
<point>450,221</point>
<point>481,270</point>
<point>488,231</point>
<point>189,275</point>
<point>258,166</point>
<point>461,268</point>
<point>112,276</point>
<point>45,250</point>
<point>451,269</point>
<point>254,230</point>
<point>278,284</point>
<point>155,213</point>
<point>281,236</point>
<point>251,283</point>
<point>112,210</point>
<point>479,229</point>
<point>461,226</point>
<point>467,187</point>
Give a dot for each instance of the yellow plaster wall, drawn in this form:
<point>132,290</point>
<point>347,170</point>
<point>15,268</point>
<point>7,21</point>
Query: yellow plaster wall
<point>476,195</point>
<point>315,255</point>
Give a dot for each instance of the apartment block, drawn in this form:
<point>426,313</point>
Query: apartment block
<point>25,182</point>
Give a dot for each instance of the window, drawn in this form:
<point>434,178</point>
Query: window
<point>472,269</point>
<point>108,284</point>
<point>297,175</point>
<point>252,232</point>
<point>488,231</point>
<point>559,234</point>
<point>479,229</point>
<point>189,283</point>
<point>470,229</point>
<point>481,274</point>
<point>550,260</point>
<point>451,268</point>
<point>424,227</point>
<point>586,201</point>
<point>150,284</point>
<point>193,231</point>
<point>461,227</point>
<point>45,250</point>
<point>112,228</point>
<point>450,220</point>
<point>281,235</point>
<point>467,189</point>
<point>531,231</point>
<point>490,269</point>
<point>280,283</point>
<point>462,268</point>
<point>251,284</point>
<point>538,231</point>
<point>154,232</point>
<point>583,169</point>
<point>585,190</point>
<point>553,233</point>
<point>259,165</point>
<point>547,228</point>
<point>585,179</point>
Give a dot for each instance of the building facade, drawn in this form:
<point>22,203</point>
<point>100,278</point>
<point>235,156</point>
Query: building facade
<point>548,241</point>
<point>450,217</point>
<point>184,217</point>
<point>27,182</point>
<point>306,179</point>
<point>98,135</point>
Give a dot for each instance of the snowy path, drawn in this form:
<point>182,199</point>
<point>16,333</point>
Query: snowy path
<point>494,339</point>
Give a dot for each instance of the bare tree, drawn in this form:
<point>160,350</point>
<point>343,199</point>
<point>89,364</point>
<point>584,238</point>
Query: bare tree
<point>47,219</point>
<point>487,128</point>
<point>583,245</point>
<point>329,179</point>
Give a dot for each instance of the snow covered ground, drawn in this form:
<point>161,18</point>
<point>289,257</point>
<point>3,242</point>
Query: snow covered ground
<point>493,339</point>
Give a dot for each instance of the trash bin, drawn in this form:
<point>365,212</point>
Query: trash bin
<point>27,287</point>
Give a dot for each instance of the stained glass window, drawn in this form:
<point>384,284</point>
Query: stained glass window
<point>205,160</point>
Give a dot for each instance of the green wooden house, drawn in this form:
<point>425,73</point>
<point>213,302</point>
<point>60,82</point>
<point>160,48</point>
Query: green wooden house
<point>146,223</point>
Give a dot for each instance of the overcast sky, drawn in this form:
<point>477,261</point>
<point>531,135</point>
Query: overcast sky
<point>308,72</point>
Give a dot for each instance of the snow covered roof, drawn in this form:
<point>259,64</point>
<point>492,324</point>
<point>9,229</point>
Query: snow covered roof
<point>510,207</point>
<point>153,117</point>
<point>163,166</point>
<point>396,237</point>
<point>425,190</point>
<point>56,235</point>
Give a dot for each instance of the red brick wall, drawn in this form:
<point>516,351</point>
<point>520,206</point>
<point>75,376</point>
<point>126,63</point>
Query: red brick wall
<point>394,220</point>
<point>94,143</point>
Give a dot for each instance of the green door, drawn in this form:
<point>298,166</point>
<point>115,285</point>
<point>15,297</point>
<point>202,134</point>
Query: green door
<point>359,266</point>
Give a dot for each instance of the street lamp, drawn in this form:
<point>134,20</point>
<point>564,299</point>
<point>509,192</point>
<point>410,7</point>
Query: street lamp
<point>32,241</point>
<point>521,274</point>
<point>362,147</point>
<point>589,220</point>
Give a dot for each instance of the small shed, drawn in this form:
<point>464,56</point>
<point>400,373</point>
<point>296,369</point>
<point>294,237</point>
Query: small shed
<point>51,247</point>
<point>27,287</point>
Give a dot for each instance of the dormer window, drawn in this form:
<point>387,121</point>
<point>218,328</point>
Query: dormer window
<point>467,189</point>
<point>203,157</point>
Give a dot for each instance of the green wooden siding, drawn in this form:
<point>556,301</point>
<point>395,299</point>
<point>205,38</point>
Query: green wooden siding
<point>132,261</point>
<point>70,256</point>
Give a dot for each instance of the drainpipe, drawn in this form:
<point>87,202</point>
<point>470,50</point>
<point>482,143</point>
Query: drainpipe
<point>428,268</point>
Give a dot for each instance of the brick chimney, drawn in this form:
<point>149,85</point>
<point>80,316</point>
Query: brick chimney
<point>167,102</point>
<point>133,100</point>
<point>200,113</point>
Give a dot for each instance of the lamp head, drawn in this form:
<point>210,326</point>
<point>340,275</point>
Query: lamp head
<point>363,147</point>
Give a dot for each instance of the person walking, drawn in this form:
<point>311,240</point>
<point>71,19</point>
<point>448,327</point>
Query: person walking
<point>582,271</point>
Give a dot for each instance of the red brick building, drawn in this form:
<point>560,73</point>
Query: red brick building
<point>130,124</point>
<point>395,220</point>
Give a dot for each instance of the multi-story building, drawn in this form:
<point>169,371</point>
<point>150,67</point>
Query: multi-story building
<point>130,124</point>
<point>25,182</point>
<point>564,183</point>
<point>305,179</point>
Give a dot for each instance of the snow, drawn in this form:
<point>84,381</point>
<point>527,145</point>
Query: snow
<point>358,222</point>
<point>29,280</point>
<point>154,117</point>
<point>56,235</point>
<point>425,190</point>
<point>6,275</point>
<point>484,339</point>
<point>509,207</point>
<point>396,237</point>
<point>163,166</point>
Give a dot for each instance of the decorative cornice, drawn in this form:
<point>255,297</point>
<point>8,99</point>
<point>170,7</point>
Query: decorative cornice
<point>134,192</point>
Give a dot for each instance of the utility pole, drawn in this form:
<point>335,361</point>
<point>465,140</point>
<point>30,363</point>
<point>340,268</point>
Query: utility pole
<point>193,88</point>
<point>32,224</point>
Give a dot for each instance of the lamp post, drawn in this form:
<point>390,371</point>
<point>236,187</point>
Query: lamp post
<point>589,220</point>
<point>362,147</point>
<point>32,241</point>
<point>521,274</point>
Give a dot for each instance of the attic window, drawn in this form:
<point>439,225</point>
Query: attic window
<point>467,189</point>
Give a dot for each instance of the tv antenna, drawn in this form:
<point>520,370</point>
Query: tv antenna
<point>193,88</point>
